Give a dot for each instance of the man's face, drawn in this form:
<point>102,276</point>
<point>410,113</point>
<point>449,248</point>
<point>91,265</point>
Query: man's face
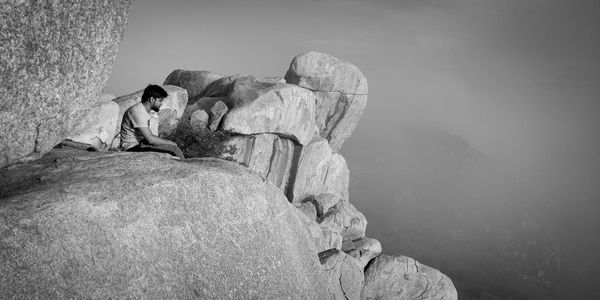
<point>157,103</point>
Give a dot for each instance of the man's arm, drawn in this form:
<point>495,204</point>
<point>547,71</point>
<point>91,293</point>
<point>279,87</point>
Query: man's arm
<point>153,139</point>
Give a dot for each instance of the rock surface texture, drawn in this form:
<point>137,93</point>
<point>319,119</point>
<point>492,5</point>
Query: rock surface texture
<point>195,82</point>
<point>401,277</point>
<point>99,127</point>
<point>344,272</point>
<point>56,58</point>
<point>142,225</point>
<point>265,107</point>
<point>341,91</point>
<point>320,171</point>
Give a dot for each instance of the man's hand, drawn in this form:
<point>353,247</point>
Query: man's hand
<point>153,139</point>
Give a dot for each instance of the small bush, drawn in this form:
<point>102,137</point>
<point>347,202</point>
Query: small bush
<point>203,143</point>
<point>210,144</point>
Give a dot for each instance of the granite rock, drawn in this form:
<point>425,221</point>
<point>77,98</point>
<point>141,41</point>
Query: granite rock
<point>265,107</point>
<point>268,155</point>
<point>401,277</point>
<point>99,127</point>
<point>364,250</point>
<point>341,91</point>
<point>194,82</point>
<point>320,171</point>
<point>56,58</point>
<point>344,273</point>
<point>79,224</point>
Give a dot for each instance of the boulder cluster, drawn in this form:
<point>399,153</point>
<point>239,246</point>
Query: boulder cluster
<point>287,131</point>
<point>269,218</point>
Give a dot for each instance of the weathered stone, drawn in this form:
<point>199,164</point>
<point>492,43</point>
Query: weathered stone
<point>263,107</point>
<point>169,114</point>
<point>353,221</point>
<point>217,111</point>
<point>332,225</point>
<point>270,156</point>
<point>194,82</point>
<point>222,87</point>
<point>99,127</point>
<point>323,202</point>
<point>79,224</point>
<point>343,273</point>
<point>401,277</point>
<point>313,228</point>
<point>202,119</point>
<point>56,58</point>
<point>320,171</point>
<point>365,250</point>
<point>341,91</point>
<point>308,209</point>
<point>198,121</point>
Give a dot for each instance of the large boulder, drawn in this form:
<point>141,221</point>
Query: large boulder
<point>401,277</point>
<point>267,107</point>
<point>341,91</point>
<point>195,82</point>
<point>142,225</point>
<point>56,58</point>
<point>320,171</point>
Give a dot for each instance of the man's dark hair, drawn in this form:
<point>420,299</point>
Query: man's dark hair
<point>153,91</point>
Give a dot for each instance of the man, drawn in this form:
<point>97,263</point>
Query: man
<point>135,127</point>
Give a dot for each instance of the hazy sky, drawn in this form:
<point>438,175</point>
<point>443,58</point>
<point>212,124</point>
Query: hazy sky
<point>519,80</point>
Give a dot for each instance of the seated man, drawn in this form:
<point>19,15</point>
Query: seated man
<point>135,130</point>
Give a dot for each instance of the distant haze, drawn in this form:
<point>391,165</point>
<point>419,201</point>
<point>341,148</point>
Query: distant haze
<point>517,80</point>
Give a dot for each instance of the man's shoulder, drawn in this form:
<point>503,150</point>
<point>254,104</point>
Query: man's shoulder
<point>137,109</point>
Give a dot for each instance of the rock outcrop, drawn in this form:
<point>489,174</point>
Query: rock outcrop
<point>264,107</point>
<point>341,91</point>
<point>56,58</point>
<point>77,224</point>
<point>401,277</point>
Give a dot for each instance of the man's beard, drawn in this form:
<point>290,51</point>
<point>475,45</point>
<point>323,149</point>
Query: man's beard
<point>156,109</point>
